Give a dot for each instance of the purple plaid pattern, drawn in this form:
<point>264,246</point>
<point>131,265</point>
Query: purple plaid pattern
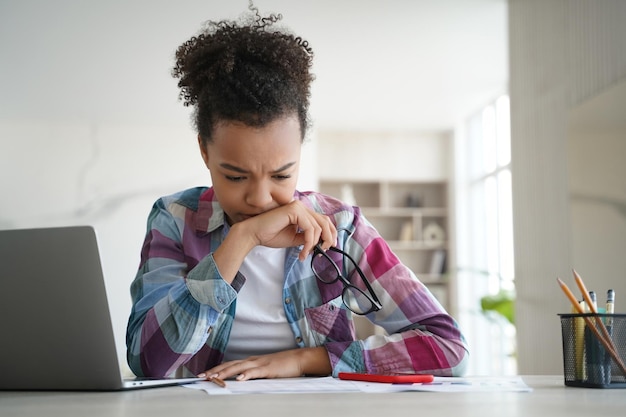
<point>183,310</point>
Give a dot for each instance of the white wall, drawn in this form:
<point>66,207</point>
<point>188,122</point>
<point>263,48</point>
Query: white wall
<point>597,172</point>
<point>562,53</point>
<point>598,210</point>
<point>389,155</point>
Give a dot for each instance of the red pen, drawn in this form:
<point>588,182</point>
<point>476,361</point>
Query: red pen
<point>389,379</point>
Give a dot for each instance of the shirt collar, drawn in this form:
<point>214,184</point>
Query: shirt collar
<point>210,214</point>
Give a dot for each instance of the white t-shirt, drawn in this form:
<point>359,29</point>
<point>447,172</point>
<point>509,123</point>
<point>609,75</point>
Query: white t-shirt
<point>260,325</point>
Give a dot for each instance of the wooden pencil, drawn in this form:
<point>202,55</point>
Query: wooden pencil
<point>218,381</point>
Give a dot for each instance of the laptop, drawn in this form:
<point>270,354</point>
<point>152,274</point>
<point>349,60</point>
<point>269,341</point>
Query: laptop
<point>55,324</point>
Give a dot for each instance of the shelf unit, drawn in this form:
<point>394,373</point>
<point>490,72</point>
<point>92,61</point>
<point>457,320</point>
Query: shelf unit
<point>413,217</point>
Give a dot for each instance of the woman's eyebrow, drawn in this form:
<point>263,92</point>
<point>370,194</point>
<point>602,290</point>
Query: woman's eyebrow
<point>284,167</point>
<point>243,171</point>
<point>233,168</point>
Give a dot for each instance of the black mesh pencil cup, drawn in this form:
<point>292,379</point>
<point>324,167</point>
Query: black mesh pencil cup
<point>589,361</point>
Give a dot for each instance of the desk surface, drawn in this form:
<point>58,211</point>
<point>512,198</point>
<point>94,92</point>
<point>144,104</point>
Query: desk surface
<point>550,397</point>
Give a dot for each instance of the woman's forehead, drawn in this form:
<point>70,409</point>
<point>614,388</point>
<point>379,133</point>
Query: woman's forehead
<point>272,147</point>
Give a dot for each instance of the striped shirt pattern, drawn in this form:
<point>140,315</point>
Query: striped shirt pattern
<point>183,310</point>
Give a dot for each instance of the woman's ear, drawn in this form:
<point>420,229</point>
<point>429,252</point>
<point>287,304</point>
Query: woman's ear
<point>203,151</point>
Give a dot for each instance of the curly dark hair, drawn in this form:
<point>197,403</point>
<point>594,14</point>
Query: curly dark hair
<point>245,72</point>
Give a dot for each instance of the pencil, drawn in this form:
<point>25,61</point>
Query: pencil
<point>608,345</point>
<point>580,366</point>
<point>592,307</point>
<point>217,381</point>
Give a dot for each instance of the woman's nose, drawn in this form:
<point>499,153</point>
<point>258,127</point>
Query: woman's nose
<point>259,195</point>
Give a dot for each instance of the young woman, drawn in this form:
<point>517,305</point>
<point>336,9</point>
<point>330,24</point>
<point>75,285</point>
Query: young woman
<point>251,278</point>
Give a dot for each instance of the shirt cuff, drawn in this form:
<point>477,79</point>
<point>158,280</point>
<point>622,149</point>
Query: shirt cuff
<point>206,285</point>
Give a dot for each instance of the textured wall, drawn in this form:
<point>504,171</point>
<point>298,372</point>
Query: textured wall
<point>562,52</point>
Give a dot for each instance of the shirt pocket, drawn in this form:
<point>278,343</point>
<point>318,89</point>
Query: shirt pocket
<point>330,323</point>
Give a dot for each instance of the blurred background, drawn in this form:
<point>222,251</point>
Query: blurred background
<point>514,109</point>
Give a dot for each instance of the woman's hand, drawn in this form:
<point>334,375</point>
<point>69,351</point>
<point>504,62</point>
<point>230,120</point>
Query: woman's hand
<point>286,226</point>
<point>286,364</point>
<point>292,225</point>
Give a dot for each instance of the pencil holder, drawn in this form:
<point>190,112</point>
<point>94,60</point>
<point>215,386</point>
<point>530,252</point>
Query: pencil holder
<point>594,350</point>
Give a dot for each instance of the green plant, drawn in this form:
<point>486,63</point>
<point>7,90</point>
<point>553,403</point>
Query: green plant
<point>502,303</point>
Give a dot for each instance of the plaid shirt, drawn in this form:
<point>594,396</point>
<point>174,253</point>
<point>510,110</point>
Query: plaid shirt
<point>183,310</point>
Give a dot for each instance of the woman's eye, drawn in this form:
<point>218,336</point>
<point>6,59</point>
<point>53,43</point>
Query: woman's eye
<point>282,177</point>
<point>234,179</point>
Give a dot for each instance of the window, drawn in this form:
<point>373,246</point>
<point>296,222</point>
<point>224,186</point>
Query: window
<point>485,237</point>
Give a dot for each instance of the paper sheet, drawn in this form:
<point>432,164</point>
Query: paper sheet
<point>330,384</point>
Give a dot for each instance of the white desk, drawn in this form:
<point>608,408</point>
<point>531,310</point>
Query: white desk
<point>549,398</point>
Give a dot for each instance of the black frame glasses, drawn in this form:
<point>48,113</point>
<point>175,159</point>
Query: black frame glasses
<point>327,271</point>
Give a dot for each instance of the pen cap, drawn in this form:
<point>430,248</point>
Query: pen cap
<point>610,301</point>
<point>610,296</point>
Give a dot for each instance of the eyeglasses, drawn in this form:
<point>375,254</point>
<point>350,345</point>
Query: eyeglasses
<point>324,266</point>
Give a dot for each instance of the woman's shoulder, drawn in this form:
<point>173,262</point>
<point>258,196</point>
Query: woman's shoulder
<point>323,203</point>
<point>189,198</point>
<point>196,207</point>
<point>343,214</point>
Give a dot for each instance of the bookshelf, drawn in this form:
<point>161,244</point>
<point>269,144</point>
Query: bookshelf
<point>413,217</point>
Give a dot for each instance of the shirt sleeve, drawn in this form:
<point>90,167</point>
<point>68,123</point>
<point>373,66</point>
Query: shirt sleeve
<point>174,306</point>
<point>421,336</point>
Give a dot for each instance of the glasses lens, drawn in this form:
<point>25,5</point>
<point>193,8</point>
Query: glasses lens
<point>356,300</point>
<point>324,268</point>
